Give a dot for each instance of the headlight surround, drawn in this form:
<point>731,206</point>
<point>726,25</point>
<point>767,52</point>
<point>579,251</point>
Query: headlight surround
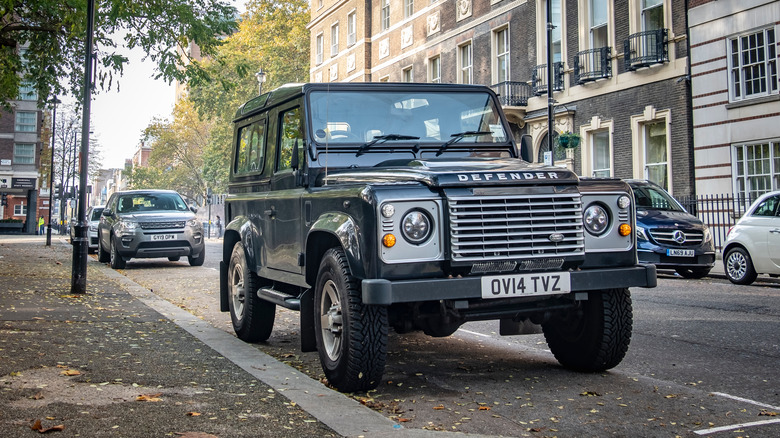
<point>640,233</point>
<point>193,223</point>
<point>416,226</point>
<point>707,235</point>
<point>596,219</point>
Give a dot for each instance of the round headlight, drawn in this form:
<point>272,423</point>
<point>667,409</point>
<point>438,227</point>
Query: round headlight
<point>596,219</point>
<point>416,227</point>
<point>624,201</point>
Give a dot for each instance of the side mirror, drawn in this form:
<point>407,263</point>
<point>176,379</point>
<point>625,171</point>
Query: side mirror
<point>193,209</point>
<point>526,147</point>
<point>108,213</point>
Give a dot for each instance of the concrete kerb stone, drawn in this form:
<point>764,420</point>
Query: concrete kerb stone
<point>342,414</point>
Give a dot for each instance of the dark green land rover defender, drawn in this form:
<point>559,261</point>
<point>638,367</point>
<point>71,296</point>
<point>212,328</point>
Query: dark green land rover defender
<point>370,206</point>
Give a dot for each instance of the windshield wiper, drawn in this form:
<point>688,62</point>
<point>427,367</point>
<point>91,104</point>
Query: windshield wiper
<point>458,137</point>
<point>383,138</point>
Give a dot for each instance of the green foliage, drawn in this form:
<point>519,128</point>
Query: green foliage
<point>54,33</point>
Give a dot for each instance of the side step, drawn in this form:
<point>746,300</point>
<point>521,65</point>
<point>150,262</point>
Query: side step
<point>280,298</point>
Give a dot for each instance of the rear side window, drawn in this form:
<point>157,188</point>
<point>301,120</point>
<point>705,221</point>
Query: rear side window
<point>251,148</point>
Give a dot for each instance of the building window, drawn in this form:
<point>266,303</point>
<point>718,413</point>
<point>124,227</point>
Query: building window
<point>26,121</point>
<point>656,159</point>
<point>334,40</point>
<point>501,48</point>
<point>434,70</point>
<point>20,209</point>
<point>408,8</point>
<point>601,153</point>
<point>24,153</point>
<point>351,28</point>
<point>27,91</point>
<point>384,19</point>
<point>753,65</point>
<point>599,35</point>
<point>652,14</point>
<point>320,48</point>
<point>557,32</point>
<point>464,59</point>
<point>756,168</point>
<point>408,75</point>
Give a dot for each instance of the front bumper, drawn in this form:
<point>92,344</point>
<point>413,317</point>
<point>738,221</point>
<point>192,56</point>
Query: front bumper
<point>141,245</point>
<point>658,257</point>
<point>386,292</point>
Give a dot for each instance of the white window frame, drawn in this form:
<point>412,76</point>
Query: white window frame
<point>334,39</point>
<point>407,74</point>
<point>587,152</point>
<point>351,28</point>
<point>466,66</point>
<point>434,69</point>
<point>638,141</point>
<point>384,15</point>
<point>319,48</point>
<point>737,81</point>
<point>24,153</point>
<point>636,21</point>
<point>597,26</point>
<point>26,121</point>
<point>408,8</point>
<point>740,168</point>
<point>643,13</point>
<point>541,29</point>
<point>497,56</point>
<point>20,209</point>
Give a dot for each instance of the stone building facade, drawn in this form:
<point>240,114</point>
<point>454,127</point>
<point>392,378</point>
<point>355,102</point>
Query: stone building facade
<point>620,71</point>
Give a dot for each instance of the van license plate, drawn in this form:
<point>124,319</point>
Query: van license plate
<point>163,237</point>
<point>679,252</point>
<point>523,285</point>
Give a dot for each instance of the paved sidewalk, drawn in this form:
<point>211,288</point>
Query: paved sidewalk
<point>105,364</point>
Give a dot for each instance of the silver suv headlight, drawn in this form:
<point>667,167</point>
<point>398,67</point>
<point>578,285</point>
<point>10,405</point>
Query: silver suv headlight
<point>127,226</point>
<point>193,223</point>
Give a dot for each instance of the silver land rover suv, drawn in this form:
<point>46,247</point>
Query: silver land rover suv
<point>147,224</point>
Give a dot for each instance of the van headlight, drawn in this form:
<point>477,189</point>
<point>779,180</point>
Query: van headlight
<point>596,219</point>
<point>416,226</point>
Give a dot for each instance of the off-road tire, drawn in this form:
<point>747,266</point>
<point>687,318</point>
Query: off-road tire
<point>197,261</point>
<point>116,259</point>
<point>694,273</point>
<point>739,266</point>
<point>174,259</point>
<point>594,337</point>
<point>353,345</point>
<point>103,255</point>
<point>252,317</point>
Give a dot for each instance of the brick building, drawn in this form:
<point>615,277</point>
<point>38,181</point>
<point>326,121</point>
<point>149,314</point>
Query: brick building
<point>21,146</point>
<point>620,70</point>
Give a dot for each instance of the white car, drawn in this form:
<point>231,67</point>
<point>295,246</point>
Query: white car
<point>93,217</point>
<point>753,244</point>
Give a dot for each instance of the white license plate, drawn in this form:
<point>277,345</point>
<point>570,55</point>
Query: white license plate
<point>679,252</point>
<point>163,237</point>
<point>523,285</point>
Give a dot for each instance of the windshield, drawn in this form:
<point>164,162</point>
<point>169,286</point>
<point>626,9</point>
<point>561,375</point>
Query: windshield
<point>145,202</point>
<point>653,198</point>
<point>352,117</point>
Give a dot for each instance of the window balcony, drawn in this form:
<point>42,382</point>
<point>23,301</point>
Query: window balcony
<point>647,48</point>
<point>591,65</point>
<point>539,78</point>
<point>513,93</point>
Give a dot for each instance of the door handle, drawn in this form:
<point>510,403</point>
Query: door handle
<point>776,231</point>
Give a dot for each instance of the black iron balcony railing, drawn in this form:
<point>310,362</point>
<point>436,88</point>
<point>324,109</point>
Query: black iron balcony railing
<point>644,49</point>
<point>593,64</point>
<point>513,93</point>
<point>539,78</point>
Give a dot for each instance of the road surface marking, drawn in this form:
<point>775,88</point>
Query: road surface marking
<point>746,400</point>
<point>734,426</point>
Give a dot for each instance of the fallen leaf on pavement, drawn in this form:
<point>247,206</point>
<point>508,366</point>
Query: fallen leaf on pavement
<point>71,372</point>
<point>766,413</point>
<point>194,414</point>
<point>38,427</point>
<point>484,408</point>
<point>194,435</point>
<point>438,408</point>
<point>149,397</point>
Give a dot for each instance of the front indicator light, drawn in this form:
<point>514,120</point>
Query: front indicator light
<point>388,240</point>
<point>624,229</point>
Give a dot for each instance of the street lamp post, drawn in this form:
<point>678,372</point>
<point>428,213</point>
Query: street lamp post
<point>260,75</point>
<point>51,168</point>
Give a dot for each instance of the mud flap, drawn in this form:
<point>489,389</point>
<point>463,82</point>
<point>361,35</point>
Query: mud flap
<point>308,337</point>
<point>224,306</point>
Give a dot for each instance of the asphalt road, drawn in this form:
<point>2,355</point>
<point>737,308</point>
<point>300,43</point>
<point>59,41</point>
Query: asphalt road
<point>703,361</point>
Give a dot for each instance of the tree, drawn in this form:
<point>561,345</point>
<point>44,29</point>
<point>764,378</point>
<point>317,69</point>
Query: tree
<point>177,158</point>
<point>42,41</point>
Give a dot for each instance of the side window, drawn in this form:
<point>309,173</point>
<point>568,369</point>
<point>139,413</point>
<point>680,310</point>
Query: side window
<point>251,148</point>
<point>767,208</point>
<point>291,133</point>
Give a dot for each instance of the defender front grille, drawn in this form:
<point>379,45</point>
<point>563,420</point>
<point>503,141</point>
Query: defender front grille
<point>684,238</point>
<point>516,227</point>
<point>161,225</point>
